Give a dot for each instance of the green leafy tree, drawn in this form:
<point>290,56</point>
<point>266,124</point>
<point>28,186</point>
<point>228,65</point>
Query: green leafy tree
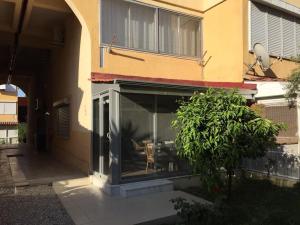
<point>22,131</point>
<point>216,130</point>
<point>293,86</point>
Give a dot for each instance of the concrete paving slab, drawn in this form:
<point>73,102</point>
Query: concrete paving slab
<point>87,205</point>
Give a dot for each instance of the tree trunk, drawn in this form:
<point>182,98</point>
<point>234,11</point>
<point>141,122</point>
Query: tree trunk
<point>229,185</point>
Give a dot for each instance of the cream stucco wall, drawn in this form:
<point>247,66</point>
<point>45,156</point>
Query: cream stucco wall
<point>223,41</point>
<point>294,2</point>
<point>70,71</point>
<point>8,97</point>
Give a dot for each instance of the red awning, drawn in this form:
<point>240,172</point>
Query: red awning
<point>106,78</point>
<point>22,101</point>
<point>7,123</point>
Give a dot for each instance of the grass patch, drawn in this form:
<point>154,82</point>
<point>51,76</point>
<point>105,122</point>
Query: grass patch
<point>259,202</point>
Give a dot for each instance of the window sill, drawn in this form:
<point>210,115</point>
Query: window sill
<point>276,56</point>
<point>150,52</point>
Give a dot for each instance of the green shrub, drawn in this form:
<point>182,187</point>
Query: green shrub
<point>22,132</point>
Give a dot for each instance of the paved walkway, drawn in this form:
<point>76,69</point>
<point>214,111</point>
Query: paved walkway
<point>89,206</point>
<point>22,165</point>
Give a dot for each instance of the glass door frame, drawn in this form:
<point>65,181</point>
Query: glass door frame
<point>114,134</point>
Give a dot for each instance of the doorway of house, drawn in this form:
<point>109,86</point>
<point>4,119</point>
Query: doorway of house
<point>101,135</point>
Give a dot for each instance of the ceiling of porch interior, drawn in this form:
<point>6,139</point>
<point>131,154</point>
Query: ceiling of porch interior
<point>43,29</point>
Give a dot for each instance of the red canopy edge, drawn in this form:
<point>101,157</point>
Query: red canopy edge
<point>107,77</point>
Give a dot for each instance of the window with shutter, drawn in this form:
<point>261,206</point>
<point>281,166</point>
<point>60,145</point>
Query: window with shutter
<point>298,36</point>
<point>1,107</point>
<point>148,28</point>
<point>276,30</point>
<point>10,108</point>
<point>63,121</point>
<point>258,24</point>
<point>289,45</point>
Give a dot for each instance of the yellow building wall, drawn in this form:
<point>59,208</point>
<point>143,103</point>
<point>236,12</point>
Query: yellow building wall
<point>8,97</point>
<point>223,41</point>
<point>222,34</point>
<point>294,2</point>
<point>225,38</point>
<point>70,72</point>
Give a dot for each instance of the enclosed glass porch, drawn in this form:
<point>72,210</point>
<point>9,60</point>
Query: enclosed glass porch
<point>133,138</point>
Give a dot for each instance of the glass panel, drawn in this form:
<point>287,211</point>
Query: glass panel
<point>115,22</point>
<point>168,33</point>
<point>189,37</point>
<point>12,132</point>
<point>148,140</point>
<point>142,27</point>
<point>96,135</point>
<point>106,139</point>
<point>137,130</point>
<point>166,156</point>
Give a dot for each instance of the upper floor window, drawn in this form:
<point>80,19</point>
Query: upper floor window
<point>277,31</point>
<point>8,108</point>
<point>147,28</point>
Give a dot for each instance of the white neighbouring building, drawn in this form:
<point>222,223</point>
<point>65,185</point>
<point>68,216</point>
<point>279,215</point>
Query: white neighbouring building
<point>8,114</point>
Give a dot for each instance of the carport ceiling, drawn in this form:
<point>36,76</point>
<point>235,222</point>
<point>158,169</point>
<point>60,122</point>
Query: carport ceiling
<point>43,28</point>
<point>43,24</point>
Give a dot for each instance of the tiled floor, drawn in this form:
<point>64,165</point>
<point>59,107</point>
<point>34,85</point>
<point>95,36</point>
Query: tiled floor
<point>28,166</point>
<point>89,206</point>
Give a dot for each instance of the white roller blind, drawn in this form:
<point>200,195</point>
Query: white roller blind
<point>274,31</point>
<point>258,25</point>
<point>289,45</point>
<point>1,108</point>
<point>298,36</point>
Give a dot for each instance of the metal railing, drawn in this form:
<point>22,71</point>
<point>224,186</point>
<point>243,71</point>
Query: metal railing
<point>276,163</point>
<point>9,140</point>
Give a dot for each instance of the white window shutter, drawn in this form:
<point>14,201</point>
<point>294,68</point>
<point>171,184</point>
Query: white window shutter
<point>1,108</point>
<point>258,24</point>
<point>10,108</point>
<point>274,33</point>
<point>289,41</point>
<point>298,36</point>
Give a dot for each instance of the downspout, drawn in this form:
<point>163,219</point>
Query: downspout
<point>15,46</point>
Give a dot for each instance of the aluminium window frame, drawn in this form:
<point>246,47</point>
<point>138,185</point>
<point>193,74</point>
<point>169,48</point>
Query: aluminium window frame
<point>156,23</point>
<point>4,108</point>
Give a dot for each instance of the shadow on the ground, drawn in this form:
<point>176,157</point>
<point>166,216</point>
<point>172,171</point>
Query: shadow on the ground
<point>32,205</point>
<point>259,202</point>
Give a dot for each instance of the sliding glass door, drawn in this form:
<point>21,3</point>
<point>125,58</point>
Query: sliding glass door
<point>101,135</point>
<point>148,139</point>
